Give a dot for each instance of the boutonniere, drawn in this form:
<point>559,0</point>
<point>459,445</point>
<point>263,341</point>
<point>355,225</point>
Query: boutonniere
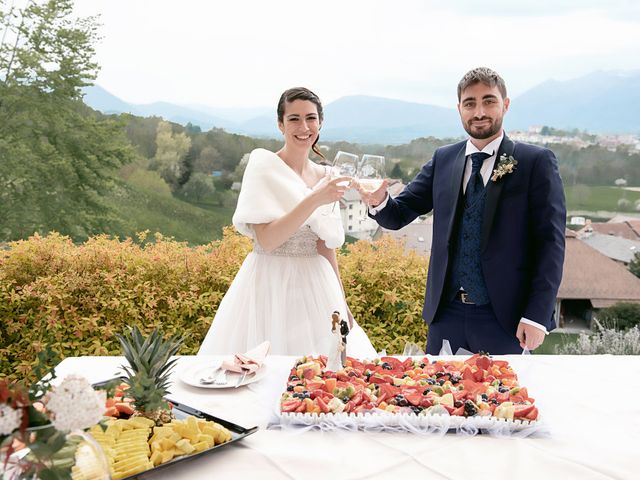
<point>505,165</point>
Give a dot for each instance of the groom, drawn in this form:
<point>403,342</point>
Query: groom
<point>498,229</point>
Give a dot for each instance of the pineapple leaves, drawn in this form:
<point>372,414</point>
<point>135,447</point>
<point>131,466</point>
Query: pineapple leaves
<point>150,366</point>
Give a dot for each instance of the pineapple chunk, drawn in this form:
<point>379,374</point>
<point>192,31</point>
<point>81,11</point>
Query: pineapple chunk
<point>208,439</point>
<point>200,446</point>
<point>167,455</point>
<point>156,458</point>
<point>167,444</point>
<point>184,446</point>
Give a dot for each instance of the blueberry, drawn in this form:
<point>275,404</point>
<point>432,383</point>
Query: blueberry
<point>439,374</point>
<point>290,388</point>
<point>470,408</point>
<point>422,365</point>
<point>455,379</point>
<point>415,409</point>
<point>426,392</point>
<point>457,404</point>
<point>485,397</point>
<point>431,381</point>
<point>386,366</point>
<point>441,382</point>
<point>503,389</point>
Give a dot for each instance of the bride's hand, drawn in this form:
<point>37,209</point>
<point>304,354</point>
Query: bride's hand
<point>328,190</point>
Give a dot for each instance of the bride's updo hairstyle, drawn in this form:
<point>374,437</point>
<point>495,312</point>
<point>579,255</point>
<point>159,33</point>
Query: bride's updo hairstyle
<point>301,93</point>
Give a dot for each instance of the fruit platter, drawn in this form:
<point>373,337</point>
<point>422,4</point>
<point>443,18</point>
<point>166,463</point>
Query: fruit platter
<point>142,430</point>
<point>134,443</point>
<point>411,394</point>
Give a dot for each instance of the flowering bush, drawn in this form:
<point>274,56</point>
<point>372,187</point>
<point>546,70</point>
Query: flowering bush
<point>77,297</point>
<point>606,341</point>
<point>384,286</point>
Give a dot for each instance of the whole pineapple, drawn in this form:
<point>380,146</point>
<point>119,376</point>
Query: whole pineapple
<point>148,372</point>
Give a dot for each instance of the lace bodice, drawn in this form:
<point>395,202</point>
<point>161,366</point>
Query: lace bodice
<point>303,243</point>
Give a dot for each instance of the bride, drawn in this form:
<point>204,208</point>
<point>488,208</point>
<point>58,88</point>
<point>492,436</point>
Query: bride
<point>289,285</point>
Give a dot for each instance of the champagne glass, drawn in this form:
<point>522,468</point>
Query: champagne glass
<point>344,165</point>
<point>371,172</point>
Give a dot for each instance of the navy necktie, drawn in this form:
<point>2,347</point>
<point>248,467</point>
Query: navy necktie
<point>475,185</point>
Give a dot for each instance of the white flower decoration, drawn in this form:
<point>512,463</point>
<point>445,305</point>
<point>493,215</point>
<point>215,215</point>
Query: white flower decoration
<point>9,419</point>
<point>75,405</point>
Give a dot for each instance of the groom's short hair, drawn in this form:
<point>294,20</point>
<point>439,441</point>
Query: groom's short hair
<point>484,75</point>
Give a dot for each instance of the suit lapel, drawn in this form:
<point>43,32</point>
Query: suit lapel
<point>493,193</point>
<point>456,182</point>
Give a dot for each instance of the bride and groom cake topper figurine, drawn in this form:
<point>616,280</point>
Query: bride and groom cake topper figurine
<point>337,357</point>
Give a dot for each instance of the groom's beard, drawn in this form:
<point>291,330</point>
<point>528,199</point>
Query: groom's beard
<point>484,132</point>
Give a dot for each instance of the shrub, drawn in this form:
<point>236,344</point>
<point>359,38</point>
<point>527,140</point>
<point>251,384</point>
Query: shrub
<point>624,204</point>
<point>385,290</point>
<point>620,316</point>
<point>606,341</point>
<point>76,298</point>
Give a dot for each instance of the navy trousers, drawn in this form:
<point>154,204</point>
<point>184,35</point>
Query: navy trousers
<point>472,327</point>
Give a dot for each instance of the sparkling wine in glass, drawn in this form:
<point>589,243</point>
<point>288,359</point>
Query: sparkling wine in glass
<point>371,172</point>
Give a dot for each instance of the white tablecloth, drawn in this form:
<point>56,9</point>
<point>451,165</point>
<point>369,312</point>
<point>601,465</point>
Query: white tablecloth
<point>591,405</point>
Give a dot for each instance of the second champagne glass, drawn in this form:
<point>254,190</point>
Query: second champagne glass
<point>371,172</point>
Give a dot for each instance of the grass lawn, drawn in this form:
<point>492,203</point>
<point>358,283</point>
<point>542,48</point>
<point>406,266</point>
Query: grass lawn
<point>143,209</point>
<point>583,197</point>
<point>553,340</point>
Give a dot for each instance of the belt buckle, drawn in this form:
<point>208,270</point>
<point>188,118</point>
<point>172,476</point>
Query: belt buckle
<point>464,297</point>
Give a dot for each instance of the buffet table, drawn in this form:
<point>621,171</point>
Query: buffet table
<point>588,403</point>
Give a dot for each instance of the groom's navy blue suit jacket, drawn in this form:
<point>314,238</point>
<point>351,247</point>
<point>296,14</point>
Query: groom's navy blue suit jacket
<point>523,230</point>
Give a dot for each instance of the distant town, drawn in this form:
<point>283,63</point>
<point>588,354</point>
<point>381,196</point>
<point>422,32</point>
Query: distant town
<point>546,136</point>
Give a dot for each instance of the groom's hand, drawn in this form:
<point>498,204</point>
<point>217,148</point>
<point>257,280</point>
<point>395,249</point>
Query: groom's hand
<point>530,337</point>
<point>375,198</point>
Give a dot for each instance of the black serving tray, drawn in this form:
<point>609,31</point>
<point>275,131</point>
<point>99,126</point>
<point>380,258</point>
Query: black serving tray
<point>181,411</point>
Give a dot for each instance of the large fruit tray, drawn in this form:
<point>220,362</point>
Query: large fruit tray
<point>413,394</point>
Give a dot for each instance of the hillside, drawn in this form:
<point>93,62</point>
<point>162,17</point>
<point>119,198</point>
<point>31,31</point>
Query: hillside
<point>143,207</point>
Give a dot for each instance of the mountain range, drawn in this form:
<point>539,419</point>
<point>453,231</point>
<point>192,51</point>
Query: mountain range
<point>600,102</point>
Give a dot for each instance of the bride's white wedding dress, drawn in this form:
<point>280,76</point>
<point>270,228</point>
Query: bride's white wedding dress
<point>285,296</point>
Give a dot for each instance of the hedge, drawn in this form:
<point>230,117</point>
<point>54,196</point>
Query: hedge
<point>76,298</point>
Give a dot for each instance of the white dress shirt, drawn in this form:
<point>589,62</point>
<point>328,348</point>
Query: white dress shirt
<point>485,171</point>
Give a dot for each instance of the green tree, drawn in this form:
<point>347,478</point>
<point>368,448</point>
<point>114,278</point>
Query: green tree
<point>208,161</point>
<point>634,265</point>
<point>171,151</point>
<point>57,157</point>
<point>199,188</point>
<point>621,316</point>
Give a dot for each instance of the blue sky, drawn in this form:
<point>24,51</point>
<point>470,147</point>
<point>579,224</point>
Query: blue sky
<point>244,53</point>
